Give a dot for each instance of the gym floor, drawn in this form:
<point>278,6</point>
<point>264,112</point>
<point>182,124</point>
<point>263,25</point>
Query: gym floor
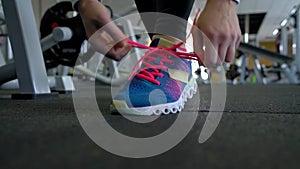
<point>259,129</point>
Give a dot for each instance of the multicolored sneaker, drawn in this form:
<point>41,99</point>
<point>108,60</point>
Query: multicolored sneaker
<point>161,86</point>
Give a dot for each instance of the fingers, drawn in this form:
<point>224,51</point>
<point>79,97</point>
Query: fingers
<point>221,32</point>
<point>226,51</point>
<point>211,56</point>
<point>103,43</point>
<point>110,41</point>
<point>198,43</point>
<point>119,50</point>
<point>230,54</point>
<point>217,48</point>
<point>205,48</point>
<point>104,35</point>
<point>222,52</point>
<point>238,40</point>
<point>232,48</point>
<point>228,47</point>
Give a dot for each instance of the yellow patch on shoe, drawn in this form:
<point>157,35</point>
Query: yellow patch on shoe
<point>179,75</point>
<point>164,43</point>
<point>119,104</point>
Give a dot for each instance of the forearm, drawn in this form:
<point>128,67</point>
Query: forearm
<point>225,7</point>
<point>230,4</point>
<point>94,11</point>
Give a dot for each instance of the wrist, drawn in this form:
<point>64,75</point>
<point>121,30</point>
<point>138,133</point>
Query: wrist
<point>80,4</point>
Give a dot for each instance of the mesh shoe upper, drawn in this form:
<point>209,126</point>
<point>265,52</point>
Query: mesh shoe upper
<point>160,80</point>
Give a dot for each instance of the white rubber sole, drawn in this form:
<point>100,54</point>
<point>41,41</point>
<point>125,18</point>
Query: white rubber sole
<point>169,108</point>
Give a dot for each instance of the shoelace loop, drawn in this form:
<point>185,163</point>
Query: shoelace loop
<point>144,72</point>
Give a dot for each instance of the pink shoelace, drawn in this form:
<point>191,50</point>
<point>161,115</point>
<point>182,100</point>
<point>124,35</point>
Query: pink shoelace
<point>150,76</point>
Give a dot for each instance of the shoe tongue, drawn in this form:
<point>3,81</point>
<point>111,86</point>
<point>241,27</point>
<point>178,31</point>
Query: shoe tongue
<point>161,42</point>
<point>165,43</point>
<point>155,42</point>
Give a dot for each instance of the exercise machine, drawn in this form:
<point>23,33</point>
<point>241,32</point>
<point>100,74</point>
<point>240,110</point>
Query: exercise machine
<point>29,65</point>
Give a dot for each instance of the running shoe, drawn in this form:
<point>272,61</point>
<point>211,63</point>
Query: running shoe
<point>162,84</point>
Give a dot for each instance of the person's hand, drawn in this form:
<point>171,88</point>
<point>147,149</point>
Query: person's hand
<point>109,39</point>
<point>219,24</point>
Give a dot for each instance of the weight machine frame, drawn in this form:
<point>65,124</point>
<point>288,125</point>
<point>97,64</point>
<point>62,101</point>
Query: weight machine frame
<point>29,66</point>
<point>29,63</point>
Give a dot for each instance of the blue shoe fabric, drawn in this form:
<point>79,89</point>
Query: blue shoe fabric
<point>140,96</point>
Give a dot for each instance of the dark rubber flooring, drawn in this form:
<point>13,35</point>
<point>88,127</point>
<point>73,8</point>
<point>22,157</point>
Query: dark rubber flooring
<point>260,129</point>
